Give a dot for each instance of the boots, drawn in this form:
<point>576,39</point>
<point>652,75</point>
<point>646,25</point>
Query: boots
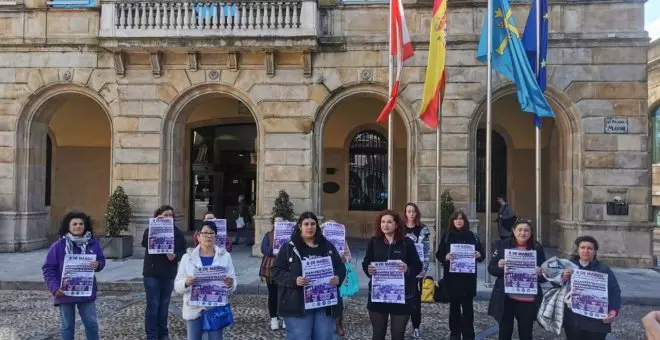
<point>340,326</point>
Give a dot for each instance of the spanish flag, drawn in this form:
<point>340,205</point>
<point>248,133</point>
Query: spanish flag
<point>434,85</point>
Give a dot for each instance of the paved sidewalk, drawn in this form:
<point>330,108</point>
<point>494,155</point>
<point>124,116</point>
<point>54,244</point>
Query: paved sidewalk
<point>22,271</point>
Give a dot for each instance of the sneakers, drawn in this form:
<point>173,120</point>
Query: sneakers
<point>274,324</point>
<point>283,324</point>
<point>417,334</point>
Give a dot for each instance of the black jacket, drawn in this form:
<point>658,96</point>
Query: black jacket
<point>157,265</point>
<point>614,301</point>
<point>459,285</point>
<point>288,266</point>
<point>498,297</point>
<point>403,250</point>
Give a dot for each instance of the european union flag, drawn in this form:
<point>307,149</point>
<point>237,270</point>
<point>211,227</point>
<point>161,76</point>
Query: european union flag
<point>510,60</point>
<point>529,42</point>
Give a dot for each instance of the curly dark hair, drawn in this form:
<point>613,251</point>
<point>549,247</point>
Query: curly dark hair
<point>162,209</point>
<point>66,220</point>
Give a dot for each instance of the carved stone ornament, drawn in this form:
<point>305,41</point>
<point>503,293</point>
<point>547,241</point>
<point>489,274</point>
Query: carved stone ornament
<point>307,64</point>
<point>193,60</point>
<point>157,64</point>
<point>68,75</point>
<point>366,75</point>
<point>233,61</point>
<point>120,61</point>
<point>214,75</point>
<point>270,63</point>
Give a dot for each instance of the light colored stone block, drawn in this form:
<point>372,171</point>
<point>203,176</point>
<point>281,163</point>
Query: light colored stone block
<point>139,188</point>
<point>616,177</point>
<point>137,156</point>
<point>149,124</point>
<point>294,189</point>
<point>287,141</point>
<point>138,140</point>
<point>282,173</point>
<point>259,93</point>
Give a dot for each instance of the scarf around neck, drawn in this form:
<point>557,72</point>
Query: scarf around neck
<point>80,241</point>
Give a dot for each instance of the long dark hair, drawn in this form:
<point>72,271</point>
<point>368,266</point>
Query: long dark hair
<point>162,209</point>
<point>418,216</point>
<point>64,225</point>
<point>455,215</point>
<point>297,234</point>
<point>399,232</point>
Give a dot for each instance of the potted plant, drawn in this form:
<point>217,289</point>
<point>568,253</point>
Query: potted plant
<point>446,209</point>
<point>117,218</point>
<point>282,208</point>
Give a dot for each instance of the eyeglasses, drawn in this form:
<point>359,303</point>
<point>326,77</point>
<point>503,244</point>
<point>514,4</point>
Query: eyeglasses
<point>207,233</point>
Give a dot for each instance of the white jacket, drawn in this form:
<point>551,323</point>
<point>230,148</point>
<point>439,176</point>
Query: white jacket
<point>189,262</point>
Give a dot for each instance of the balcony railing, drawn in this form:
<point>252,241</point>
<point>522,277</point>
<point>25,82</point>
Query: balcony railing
<point>190,18</point>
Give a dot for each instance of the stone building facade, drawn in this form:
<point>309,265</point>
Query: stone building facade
<point>654,119</point>
<point>139,94</point>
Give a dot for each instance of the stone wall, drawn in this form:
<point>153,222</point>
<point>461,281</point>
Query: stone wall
<point>654,104</point>
<point>597,67</point>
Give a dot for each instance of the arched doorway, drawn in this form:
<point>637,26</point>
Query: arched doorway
<point>211,144</point>
<point>64,158</point>
<point>352,161</point>
<point>513,167</point>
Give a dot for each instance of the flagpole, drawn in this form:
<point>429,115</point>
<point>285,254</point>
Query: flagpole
<point>438,189</point>
<point>489,128</point>
<point>390,121</point>
<point>537,127</point>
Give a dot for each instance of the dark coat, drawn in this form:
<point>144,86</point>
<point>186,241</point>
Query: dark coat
<point>459,285</point>
<point>288,266</point>
<point>157,265</point>
<point>404,250</point>
<point>498,297</point>
<point>614,301</point>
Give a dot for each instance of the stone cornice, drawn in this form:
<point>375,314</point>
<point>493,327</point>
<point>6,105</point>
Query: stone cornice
<point>474,4</point>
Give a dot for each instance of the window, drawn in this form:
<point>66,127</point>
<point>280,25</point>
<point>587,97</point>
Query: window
<point>367,172</point>
<point>497,170</point>
<point>71,3</point>
<point>49,165</point>
<point>655,117</point>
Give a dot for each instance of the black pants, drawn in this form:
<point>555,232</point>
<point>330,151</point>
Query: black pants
<point>461,323</point>
<point>272,299</point>
<point>416,306</point>
<point>580,334</point>
<point>524,313</point>
<point>379,325</point>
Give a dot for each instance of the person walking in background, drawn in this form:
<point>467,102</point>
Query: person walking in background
<point>244,218</point>
<point>419,234</point>
<point>345,258</point>
<point>307,242</point>
<point>265,272</point>
<point>580,327</point>
<point>505,307</point>
<point>389,243</point>
<point>159,271</point>
<point>207,217</point>
<point>506,218</point>
<point>75,238</point>
<point>461,287</point>
<point>207,253</point>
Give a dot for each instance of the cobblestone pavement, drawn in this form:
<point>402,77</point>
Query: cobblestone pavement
<point>31,315</point>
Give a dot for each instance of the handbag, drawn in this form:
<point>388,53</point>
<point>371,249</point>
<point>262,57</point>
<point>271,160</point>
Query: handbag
<point>240,223</point>
<point>351,284</point>
<point>266,264</point>
<point>428,290</point>
<point>217,318</point>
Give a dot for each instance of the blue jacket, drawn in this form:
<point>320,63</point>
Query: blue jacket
<point>613,295</point>
<point>54,263</point>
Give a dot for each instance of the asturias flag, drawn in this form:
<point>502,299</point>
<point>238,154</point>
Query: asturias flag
<point>529,42</point>
<point>434,84</point>
<point>401,48</point>
<point>510,60</point>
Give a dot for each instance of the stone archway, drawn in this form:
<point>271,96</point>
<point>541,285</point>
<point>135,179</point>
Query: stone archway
<point>371,97</point>
<point>565,137</point>
<point>49,114</point>
<point>177,130</point>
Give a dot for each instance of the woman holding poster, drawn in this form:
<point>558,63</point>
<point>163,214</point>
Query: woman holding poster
<point>265,273</point>
<point>517,292</point>
<point>419,233</point>
<point>460,244</point>
<point>388,245</point>
<point>308,271</point>
<point>75,239</point>
<point>205,278</point>
<point>577,324</point>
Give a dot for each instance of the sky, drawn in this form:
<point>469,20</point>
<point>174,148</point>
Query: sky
<point>652,18</point>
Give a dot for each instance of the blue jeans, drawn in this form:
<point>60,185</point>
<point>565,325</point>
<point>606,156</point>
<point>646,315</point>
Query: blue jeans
<point>314,325</point>
<point>87,311</point>
<point>159,291</point>
<point>194,328</point>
